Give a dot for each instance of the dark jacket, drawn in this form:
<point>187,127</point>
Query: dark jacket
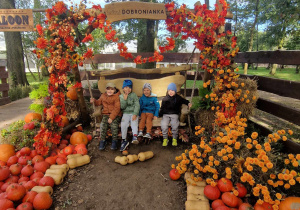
<point>172,105</point>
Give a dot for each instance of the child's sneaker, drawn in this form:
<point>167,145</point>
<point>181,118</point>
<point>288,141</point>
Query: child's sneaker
<point>114,145</point>
<point>102,145</point>
<point>165,142</point>
<point>148,136</point>
<point>140,134</point>
<point>124,144</point>
<point>135,140</point>
<point>174,142</point>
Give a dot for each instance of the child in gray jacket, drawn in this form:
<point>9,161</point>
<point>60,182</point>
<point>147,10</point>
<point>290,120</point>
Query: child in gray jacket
<point>130,107</point>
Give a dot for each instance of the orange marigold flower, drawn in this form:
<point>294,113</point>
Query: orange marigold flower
<point>215,176</point>
<point>298,156</point>
<point>216,162</point>
<point>287,186</point>
<point>258,146</point>
<point>235,192</point>
<point>284,138</point>
<point>41,43</point>
<point>264,169</point>
<point>173,166</point>
<point>225,158</point>
<point>249,168</point>
<point>248,140</point>
<point>249,146</point>
<point>254,135</point>
<point>272,176</point>
<point>290,132</point>
<point>255,142</point>
<point>230,156</point>
<point>295,163</point>
<point>286,161</point>
<point>60,7</point>
<point>292,182</point>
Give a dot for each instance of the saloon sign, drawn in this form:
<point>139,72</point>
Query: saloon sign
<point>135,10</point>
<point>16,20</point>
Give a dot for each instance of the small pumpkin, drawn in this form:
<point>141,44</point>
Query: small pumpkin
<point>217,203</point>
<point>212,193</point>
<point>33,116</point>
<point>230,199</point>
<point>241,189</point>
<point>6,204</point>
<point>64,120</point>
<point>78,138</point>
<point>72,93</point>
<point>42,200</point>
<point>4,173</point>
<point>29,196</point>
<point>290,203</point>
<point>246,206</point>
<point>174,174</point>
<point>6,151</point>
<point>15,192</point>
<point>224,185</point>
<point>24,206</point>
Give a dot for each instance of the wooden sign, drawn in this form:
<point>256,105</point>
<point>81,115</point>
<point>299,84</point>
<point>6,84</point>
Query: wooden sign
<point>135,10</point>
<point>16,20</point>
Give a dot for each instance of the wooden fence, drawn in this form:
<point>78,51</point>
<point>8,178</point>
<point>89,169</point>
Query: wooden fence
<point>4,87</point>
<point>276,86</point>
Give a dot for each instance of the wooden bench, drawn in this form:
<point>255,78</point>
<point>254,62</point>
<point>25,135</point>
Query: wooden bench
<point>159,86</point>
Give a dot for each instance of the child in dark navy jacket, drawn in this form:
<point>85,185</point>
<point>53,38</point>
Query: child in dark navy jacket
<point>170,110</point>
<point>149,109</point>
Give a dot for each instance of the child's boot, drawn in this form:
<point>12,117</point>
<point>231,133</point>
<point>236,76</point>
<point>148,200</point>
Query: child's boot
<point>165,142</point>
<point>174,142</point>
<point>102,145</point>
<point>114,144</point>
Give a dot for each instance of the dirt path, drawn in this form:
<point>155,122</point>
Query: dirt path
<point>104,184</point>
<point>14,111</point>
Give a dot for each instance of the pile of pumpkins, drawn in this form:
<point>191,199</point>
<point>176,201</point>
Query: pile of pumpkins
<point>27,178</point>
<point>222,198</point>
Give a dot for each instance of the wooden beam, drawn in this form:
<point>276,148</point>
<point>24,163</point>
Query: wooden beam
<point>4,101</point>
<point>142,71</point>
<point>285,57</point>
<point>290,114</point>
<point>4,87</point>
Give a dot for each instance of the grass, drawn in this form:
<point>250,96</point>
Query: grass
<point>35,83</point>
<point>286,73</point>
<point>190,83</point>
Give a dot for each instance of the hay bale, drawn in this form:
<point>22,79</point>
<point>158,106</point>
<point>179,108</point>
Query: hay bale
<point>205,118</point>
<point>251,86</point>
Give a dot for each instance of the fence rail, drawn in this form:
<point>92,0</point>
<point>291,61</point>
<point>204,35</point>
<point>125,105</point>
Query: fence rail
<point>4,87</point>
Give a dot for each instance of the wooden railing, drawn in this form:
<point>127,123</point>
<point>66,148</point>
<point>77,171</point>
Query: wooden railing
<point>4,87</point>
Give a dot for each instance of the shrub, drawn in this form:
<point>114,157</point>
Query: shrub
<point>19,92</point>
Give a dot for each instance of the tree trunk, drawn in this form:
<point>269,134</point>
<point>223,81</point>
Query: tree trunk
<point>84,114</point>
<point>14,51</point>
<point>146,42</point>
<point>273,69</point>
<point>28,66</point>
<point>252,34</point>
<point>297,69</point>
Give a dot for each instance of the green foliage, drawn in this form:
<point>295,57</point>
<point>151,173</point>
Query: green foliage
<point>15,134</point>
<point>19,92</point>
<point>38,95</point>
<point>204,102</point>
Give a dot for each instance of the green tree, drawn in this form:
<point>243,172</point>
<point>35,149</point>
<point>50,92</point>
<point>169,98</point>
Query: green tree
<point>14,51</point>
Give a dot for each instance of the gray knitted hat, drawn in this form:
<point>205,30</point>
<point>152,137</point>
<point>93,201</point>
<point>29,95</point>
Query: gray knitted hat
<point>147,85</point>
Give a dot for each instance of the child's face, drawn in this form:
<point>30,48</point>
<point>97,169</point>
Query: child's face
<point>171,92</point>
<point>147,92</point>
<point>110,91</point>
<point>127,90</point>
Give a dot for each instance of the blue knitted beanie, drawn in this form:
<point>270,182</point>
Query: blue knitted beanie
<point>172,86</point>
<point>127,83</point>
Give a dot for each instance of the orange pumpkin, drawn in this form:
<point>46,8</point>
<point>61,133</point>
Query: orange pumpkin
<point>6,151</point>
<point>65,121</point>
<point>290,203</point>
<point>33,116</point>
<point>78,138</point>
<point>72,93</point>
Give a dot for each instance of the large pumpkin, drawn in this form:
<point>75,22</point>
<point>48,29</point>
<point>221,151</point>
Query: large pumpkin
<point>78,138</point>
<point>290,203</point>
<point>72,93</point>
<point>6,151</point>
<point>33,116</point>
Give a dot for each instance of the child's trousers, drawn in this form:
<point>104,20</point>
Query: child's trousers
<point>114,126</point>
<point>126,121</point>
<point>146,120</point>
<point>173,120</point>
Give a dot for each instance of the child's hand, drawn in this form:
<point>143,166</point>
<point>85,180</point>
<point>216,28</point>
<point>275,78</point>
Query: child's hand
<point>154,118</point>
<point>109,120</point>
<point>133,117</point>
<point>92,100</point>
<point>190,105</point>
